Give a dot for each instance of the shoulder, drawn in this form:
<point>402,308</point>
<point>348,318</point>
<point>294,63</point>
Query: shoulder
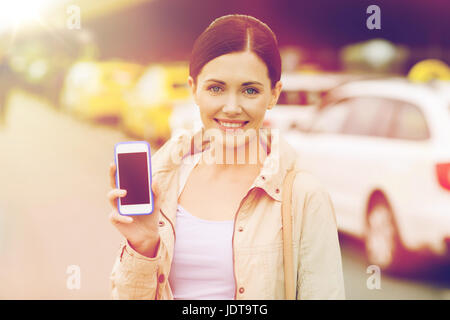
<point>309,192</point>
<point>306,182</point>
<point>311,199</point>
<point>162,158</point>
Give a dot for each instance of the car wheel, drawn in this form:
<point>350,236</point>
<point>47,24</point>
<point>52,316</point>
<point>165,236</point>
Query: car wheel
<point>382,241</point>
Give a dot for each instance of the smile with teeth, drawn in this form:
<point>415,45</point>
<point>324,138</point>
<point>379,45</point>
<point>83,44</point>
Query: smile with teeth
<point>231,125</point>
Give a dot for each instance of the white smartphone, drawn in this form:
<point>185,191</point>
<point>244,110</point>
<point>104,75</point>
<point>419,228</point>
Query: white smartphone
<point>134,174</point>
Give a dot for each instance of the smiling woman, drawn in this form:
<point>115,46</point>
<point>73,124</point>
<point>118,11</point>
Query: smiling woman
<point>235,72</point>
<point>233,92</point>
<point>225,215</point>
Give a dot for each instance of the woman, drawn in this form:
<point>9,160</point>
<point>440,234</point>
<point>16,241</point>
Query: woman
<point>221,203</point>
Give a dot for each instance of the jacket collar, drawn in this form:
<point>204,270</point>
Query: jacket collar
<point>166,162</point>
<point>281,157</point>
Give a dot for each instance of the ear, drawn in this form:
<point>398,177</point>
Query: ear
<point>191,84</point>
<point>193,88</point>
<point>275,95</point>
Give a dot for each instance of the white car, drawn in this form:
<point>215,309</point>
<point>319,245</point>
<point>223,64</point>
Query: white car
<point>300,95</point>
<point>382,150</point>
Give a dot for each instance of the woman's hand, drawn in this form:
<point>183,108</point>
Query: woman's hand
<point>141,231</point>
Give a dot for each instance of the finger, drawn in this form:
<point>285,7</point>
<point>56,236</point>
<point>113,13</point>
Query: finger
<point>112,174</point>
<point>116,218</point>
<point>114,194</point>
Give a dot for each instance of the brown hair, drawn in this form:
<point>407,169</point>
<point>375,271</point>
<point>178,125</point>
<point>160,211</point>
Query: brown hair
<point>236,33</point>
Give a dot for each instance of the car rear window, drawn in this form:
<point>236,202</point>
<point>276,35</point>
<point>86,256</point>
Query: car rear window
<point>410,123</point>
<point>299,97</point>
<point>365,117</point>
<point>332,118</point>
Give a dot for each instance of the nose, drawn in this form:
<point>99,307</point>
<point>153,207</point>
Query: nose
<point>232,106</point>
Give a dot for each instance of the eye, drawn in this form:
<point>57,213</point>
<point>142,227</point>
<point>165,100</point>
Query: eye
<point>251,91</point>
<point>214,89</point>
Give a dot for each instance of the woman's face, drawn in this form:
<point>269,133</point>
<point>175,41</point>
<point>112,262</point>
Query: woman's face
<point>234,88</point>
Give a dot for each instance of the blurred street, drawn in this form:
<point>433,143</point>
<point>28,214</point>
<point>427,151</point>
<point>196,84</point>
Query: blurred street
<point>53,212</point>
<point>53,208</point>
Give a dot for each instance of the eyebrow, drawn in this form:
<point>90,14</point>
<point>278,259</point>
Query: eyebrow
<point>244,84</point>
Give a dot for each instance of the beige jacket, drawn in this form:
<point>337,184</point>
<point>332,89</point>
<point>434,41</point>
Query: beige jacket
<point>257,237</point>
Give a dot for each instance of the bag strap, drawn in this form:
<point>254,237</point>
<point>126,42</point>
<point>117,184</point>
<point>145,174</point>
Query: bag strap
<point>288,263</point>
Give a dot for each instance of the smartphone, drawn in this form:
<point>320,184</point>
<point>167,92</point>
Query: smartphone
<point>134,174</point>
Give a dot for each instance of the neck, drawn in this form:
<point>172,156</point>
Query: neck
<point>252,154</point>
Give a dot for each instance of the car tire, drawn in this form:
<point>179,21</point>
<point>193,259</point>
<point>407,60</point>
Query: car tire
<point>383,244</point>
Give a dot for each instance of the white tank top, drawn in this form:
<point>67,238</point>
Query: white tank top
<point>202,265</point>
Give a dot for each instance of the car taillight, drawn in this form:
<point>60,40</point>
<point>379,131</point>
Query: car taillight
<point>443,175</point>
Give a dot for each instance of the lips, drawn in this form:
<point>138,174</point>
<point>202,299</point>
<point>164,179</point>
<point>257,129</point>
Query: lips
<point>234,124</point>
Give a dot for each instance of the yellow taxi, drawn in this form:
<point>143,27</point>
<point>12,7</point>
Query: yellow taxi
<point>150,104</point>
<point>95,90</point>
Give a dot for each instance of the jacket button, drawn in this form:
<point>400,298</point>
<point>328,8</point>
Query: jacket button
<point>241,229</point>
<point>241,290</point>
<point>263,177</point>
<point>161,278</point>
<point>277,190</point>
<point>161,223</point>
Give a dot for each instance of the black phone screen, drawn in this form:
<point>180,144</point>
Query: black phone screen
<point>133,177</point>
